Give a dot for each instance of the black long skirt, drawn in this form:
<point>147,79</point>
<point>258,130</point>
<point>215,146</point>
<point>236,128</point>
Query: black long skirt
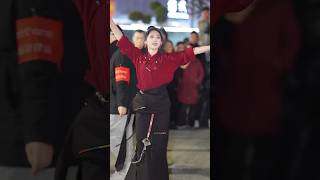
<point>153,165</point>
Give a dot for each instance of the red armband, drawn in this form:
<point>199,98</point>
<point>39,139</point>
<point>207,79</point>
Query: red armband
<point>39,38</point>
<point>122,74</point>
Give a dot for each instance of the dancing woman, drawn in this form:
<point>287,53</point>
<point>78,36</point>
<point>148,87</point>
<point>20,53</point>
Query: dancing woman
<point>151,104</point>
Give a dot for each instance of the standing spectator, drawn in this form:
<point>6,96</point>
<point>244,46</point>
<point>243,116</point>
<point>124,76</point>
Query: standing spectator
<point>122,90</point>
<point>204,89</point>
<point>204,26</point>
<point>139,38</point>
<point>168,47</point>
<point>180,46</point>
<point>194,42</point>
<point>188,93</point>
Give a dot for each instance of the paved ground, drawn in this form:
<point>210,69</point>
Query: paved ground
<point>188,154</point>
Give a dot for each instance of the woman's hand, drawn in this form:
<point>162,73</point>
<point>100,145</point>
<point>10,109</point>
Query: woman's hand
<point>185,66</point>
<point>39,155</point>
<point>122,110</point>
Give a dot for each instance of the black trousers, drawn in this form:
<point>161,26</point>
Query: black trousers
<point>154,164</point>
<point>187,115</point>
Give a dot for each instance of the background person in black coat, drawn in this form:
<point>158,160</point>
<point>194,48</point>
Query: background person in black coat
<point>123,88</point>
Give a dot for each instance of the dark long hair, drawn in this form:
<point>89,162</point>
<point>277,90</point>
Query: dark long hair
<point>152,28</point>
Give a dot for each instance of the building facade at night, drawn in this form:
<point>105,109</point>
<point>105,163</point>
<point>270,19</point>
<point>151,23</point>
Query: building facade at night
<point>179,24</point>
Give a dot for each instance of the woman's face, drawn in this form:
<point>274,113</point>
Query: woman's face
<point>168,47</point>
<point>154,40</point>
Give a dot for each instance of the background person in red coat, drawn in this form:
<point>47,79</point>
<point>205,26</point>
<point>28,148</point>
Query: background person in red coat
<point>188,93</point>
<point>260,49</point>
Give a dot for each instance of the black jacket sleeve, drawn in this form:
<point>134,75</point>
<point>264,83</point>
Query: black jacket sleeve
<point>38,78</point>
<point>122,77</point>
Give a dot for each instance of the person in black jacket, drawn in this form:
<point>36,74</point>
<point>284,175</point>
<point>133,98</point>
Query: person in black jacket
<point>37,58</point>
<point>123,88</point>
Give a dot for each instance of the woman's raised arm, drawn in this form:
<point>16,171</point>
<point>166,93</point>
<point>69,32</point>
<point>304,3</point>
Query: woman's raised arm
<point>116,31</point>
<point>201,49</point>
